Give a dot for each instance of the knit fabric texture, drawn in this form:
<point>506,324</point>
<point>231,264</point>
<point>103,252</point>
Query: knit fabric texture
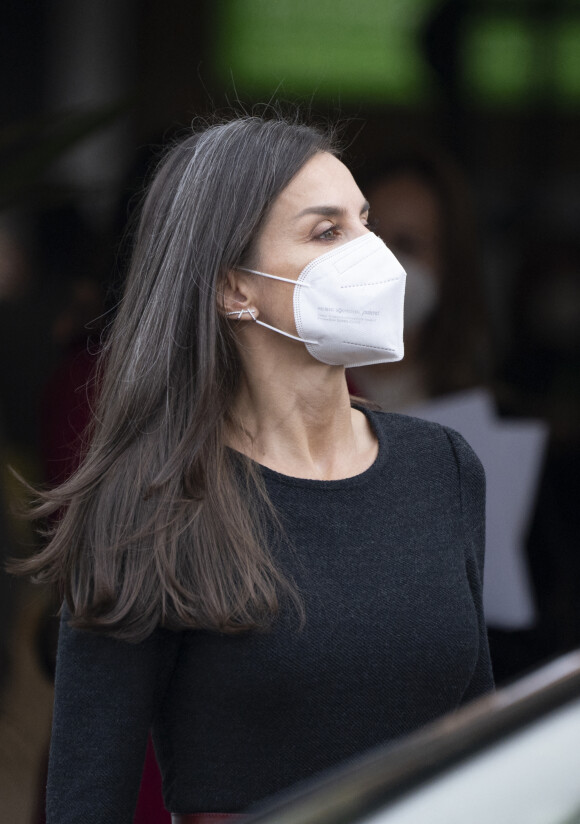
<point>389,565</point>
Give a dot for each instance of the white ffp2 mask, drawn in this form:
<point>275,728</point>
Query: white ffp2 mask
<point>348,304</point>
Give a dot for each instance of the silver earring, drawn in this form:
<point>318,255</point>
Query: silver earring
<point>240,312</point>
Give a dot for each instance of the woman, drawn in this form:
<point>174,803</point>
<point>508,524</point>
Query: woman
<point>271,578</point>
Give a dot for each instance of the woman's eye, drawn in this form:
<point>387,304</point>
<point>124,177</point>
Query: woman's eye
<point>328,234</point>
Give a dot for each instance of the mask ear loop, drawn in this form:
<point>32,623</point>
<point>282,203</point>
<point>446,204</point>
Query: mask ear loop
<point>240,312</point>
<point>274,277</point>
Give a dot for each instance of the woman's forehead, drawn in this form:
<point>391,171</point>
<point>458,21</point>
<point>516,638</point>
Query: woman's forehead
<point>323,181</point>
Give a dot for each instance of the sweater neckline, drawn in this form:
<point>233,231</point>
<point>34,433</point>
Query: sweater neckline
<point>271,475</point>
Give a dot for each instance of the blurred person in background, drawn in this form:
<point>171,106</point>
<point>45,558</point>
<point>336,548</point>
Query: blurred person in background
<point>13,281</point>
<point>422,209</point>
<point>25,694</point>
<point>15,284</point>
<point>6,589</point>
<point>541,377</point>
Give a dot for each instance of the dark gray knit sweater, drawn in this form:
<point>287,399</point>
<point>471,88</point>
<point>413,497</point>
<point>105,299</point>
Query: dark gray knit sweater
<point>389,565</point>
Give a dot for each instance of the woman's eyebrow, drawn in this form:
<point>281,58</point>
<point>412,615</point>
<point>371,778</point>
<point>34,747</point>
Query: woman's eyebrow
<point>329,211</point>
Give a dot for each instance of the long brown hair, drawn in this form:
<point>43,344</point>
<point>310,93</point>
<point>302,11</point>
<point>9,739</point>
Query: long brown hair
<point>162,523</point>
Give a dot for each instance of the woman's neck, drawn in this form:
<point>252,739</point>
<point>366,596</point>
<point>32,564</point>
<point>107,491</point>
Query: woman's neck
<point>299,422</point>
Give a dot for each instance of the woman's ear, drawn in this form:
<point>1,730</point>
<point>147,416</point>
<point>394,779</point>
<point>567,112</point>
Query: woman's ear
<point>235,299</point>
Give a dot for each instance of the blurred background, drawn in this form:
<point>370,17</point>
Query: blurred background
<point>462,123</point>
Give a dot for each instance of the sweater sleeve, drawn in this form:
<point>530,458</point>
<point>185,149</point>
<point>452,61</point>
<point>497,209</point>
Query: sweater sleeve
<point>106,695</point>
<point>472,486</point>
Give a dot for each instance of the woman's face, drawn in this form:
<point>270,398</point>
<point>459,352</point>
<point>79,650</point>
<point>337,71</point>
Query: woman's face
<point>320,209</point>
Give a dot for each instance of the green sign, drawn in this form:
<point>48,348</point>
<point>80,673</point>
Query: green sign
<point>355,50</point>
